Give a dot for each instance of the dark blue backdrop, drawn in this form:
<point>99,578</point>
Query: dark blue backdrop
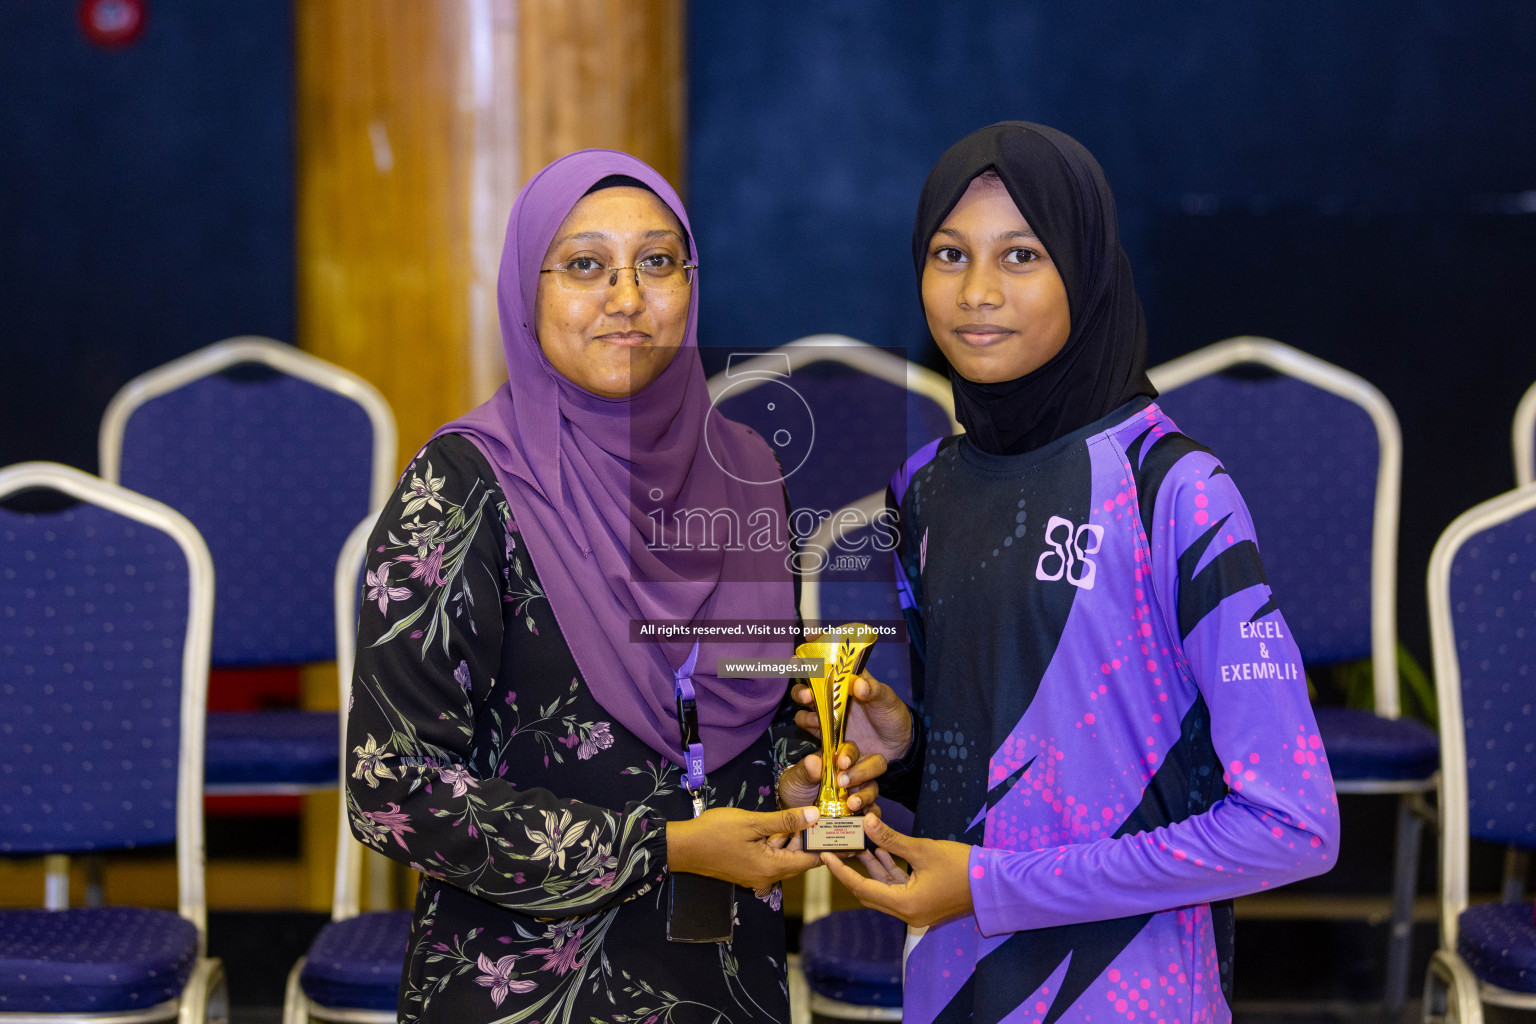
<point>148,205</point>
<point>1357,180</point>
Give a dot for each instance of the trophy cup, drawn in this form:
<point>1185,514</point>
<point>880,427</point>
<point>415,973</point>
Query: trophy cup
<point>843,653</point>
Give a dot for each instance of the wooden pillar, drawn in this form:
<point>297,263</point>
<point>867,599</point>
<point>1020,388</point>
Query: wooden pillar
<point>418,120</point>
<point>604,73</point>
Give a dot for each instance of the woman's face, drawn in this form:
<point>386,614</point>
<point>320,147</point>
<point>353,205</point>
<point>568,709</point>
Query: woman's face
<point>995,301</point>
<point>614,339</point>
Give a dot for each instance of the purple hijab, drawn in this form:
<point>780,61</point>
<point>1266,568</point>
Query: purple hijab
<point>580,473</point>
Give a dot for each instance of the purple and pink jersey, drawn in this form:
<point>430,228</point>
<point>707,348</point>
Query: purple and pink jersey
<point>1111,711</point>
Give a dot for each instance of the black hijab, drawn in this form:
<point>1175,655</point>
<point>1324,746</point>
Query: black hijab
<point>1060,189</point>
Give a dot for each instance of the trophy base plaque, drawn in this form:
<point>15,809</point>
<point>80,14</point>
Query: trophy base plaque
<point>842,654</point>
<point>835,835</point>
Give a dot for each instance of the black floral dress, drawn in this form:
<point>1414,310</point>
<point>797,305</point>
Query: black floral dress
<point>538,823</point>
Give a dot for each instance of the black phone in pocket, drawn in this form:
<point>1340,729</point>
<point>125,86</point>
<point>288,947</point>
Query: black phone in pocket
<point>700,908</point>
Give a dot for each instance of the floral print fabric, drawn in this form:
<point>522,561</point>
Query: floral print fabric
<point>478,757</point>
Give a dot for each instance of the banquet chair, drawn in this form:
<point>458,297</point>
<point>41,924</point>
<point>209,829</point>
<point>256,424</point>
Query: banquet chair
<point>274,455</point>
<point>1317,454</point>
<point>1525,438</point>
<point>106,607</point>
<point>840,415</point>
<point>352,970</point>
<point>1482,618</point>
<point>849,967</point>
<point>1516,860</point>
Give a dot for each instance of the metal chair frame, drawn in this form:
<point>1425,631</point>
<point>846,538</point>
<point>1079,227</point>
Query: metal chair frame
<point>267,352</point>
<point>850,352</point>
<point>1465,993</point>
<point>1524,438</point>
<point>347,890</point>
<point>287,360</point>
<point>860,356</point>
<point>1517,861</point>
<point>840,348</point>
<point>205,996</point>
<point>893,369</point>
<point>818,881</point>
<point>1334,379</point>
<point>1412,809</point>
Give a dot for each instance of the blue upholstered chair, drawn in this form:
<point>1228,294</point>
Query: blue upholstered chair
<point>1317,454</point>
<point>840,414</point>
<point>865,410</point>
<point>851,959</point>
<point>1482,616</point>
<point>274,455</point>
<point>869,409</point>
<point>1517,859</point>
<point>106,607</point>
<point>352,970</point>
<point>1525,438</point>
<point>862,592</point>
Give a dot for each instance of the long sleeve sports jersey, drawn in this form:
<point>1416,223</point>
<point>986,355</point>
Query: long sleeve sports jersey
<point>1111,711</point>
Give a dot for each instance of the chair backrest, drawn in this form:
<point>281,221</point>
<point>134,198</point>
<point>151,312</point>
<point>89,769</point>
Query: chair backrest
<point>1525,438</point>
<point>1482,620</point>
<point>274,455</point>
<point>852,413</point>
<point>1317,453</point>
<point>106,610</point>
<point>854,582</point>
<point>347,594</point>
<point>840,414</point>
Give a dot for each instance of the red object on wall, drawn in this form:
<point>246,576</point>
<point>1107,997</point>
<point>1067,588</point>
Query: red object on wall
<point>112,24</point>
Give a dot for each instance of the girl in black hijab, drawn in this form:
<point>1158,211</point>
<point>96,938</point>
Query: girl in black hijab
<point>1102,363</point>
<point>1111,737</point>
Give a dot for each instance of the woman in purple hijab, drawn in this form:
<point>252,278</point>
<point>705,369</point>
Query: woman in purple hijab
<point>515,731</point>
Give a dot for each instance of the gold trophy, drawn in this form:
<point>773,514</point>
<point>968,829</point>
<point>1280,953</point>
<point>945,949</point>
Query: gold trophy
<point>843,652</point>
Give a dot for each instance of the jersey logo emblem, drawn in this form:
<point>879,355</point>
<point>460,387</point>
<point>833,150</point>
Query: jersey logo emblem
<point>1069,548</point>
<point>922,552</point>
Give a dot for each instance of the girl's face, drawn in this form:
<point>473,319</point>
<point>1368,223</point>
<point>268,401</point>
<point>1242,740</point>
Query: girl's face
<point>613,339</point>
<point>994,300</point>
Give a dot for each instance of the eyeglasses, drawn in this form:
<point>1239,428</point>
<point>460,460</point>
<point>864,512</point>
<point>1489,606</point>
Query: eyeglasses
<point>659,271</point>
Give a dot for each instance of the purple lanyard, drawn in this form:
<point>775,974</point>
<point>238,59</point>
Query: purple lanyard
<point>688,719</point>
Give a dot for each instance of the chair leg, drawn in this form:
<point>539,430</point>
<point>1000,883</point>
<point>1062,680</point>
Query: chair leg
<point>799,993</point>
<point>1405,876</point>
<point>1450,992</point>
<point>1433,1006</point>
<point>295,1003</point>
<point>1516,863</point>
<point>206,997</point>
<point>381,880</point>
<point>217,1010</point>
<point>56,881</point>
<point>317,826</point>
<point>95,881</point>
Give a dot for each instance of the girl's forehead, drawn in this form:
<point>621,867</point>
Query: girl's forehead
<point>986,207</point>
